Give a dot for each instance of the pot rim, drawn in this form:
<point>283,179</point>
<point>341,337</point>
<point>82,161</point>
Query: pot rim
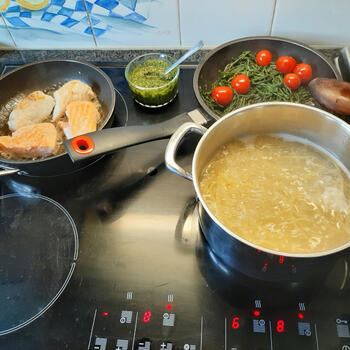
<point>202,141</point>
<point>17,163</point>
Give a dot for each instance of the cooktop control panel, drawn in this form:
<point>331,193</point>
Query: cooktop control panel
<point>168,324</point>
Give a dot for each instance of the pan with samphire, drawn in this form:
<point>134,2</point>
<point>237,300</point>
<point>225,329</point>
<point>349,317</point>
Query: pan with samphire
<point>208,71</point>
<point>48,76</point>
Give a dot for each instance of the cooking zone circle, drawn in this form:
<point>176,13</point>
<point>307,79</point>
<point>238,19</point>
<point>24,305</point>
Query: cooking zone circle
<point>39,247</point>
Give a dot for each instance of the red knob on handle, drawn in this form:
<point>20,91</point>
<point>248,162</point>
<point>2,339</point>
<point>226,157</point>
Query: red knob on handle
<point>83,144</point>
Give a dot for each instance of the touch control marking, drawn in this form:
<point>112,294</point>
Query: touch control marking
<point>92,328</point>
<point>316,336</point>
<point>100,344</point>
<point>122,344</point>
<point>168,320</point>
<point>126,316</point>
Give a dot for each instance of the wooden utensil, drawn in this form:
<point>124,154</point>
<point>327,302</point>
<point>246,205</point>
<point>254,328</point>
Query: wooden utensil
<point>332,94</point>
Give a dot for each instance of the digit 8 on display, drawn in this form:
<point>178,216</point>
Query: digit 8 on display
<point>146,316</point>
<point>280,326</point>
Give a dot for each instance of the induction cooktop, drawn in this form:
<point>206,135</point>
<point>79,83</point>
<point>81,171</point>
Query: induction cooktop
<point>112,258</point>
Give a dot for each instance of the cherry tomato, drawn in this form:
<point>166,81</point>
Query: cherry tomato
<point>285,64</point>
<point>304,71</point>
<point>263,57</point>
<point>241,83</point>
<point>222,95</point>
<point>292,81</point>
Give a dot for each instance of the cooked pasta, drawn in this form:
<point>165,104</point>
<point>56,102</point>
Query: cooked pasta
<point>279,193</point>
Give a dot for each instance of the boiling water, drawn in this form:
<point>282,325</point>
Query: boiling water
<point>280,193</point>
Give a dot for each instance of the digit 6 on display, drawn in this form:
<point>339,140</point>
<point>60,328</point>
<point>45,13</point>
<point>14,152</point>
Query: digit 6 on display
<point>235,322</point>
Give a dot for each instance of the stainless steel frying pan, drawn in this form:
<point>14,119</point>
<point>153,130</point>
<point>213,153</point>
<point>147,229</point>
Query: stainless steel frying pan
<point>208,70</point>
<point>47,76</point>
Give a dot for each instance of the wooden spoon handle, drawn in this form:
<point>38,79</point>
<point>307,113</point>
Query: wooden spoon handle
<point>332,94</point>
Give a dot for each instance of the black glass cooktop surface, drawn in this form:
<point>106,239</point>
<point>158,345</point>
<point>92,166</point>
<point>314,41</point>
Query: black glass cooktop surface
<point>144,277</point>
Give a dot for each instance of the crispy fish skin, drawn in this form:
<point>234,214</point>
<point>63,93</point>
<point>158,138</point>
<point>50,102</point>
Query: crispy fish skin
<point>74,90</point>
<point>82,117</point>
<point>36,140</point>
<point>33,109</point>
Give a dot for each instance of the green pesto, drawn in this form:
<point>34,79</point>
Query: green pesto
<point>149,86</point>
<point>149,74</point>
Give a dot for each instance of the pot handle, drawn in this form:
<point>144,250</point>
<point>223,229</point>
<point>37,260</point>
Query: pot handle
<point>8,170</point>
<point>173,145</point>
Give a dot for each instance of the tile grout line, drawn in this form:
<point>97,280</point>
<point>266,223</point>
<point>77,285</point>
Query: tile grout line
<point>8,30</point>
<point>273,16</point>
<point>90,23</point>
<point>179,21</point>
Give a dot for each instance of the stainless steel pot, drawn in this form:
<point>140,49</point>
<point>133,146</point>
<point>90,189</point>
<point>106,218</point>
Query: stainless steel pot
<point>322,128</point>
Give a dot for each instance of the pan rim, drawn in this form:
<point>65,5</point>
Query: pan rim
<point>16,163</point>
<point>245,39</point>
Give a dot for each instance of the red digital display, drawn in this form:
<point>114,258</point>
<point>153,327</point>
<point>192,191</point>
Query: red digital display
<point>300,315</point>
<point>169,307</point>
<point>280,326</point>
<point>235,322</point>
<point>105,314</point>
<point>256,313</point>
<point>147,316</point>
<point>281,259</point>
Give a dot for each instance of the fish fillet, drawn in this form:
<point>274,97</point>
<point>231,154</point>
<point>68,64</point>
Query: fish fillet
<point>82,118</point>
<point>74,90</point>
<point>33,109</point>
<point>36,140</point>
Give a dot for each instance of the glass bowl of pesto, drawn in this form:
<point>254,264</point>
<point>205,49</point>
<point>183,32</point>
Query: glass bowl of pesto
<point>149,87</point>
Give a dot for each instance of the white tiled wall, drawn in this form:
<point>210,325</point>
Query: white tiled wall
<point>223,20</point>
<point>317,22</point>
<point>172,23</point>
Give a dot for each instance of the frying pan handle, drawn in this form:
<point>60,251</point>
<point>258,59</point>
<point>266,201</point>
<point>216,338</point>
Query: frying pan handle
<point>173,145</point>
<point>107,140</point>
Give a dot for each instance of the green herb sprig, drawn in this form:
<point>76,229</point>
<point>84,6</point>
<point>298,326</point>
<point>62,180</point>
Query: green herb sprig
<point>266,85</point>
